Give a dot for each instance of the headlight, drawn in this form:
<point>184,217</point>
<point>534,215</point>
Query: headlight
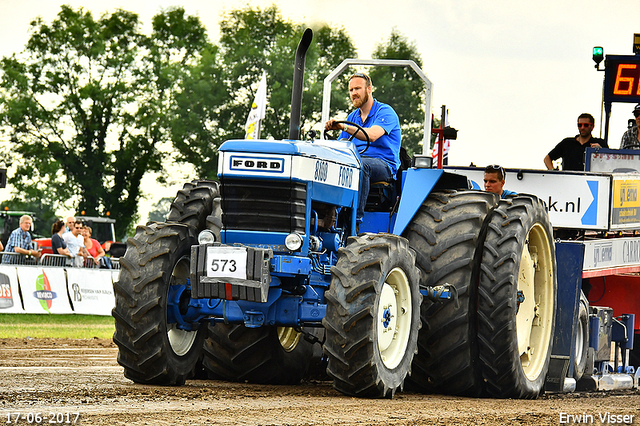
<point>422,162</point>
<point>293,242</point>
<point>206,237</point>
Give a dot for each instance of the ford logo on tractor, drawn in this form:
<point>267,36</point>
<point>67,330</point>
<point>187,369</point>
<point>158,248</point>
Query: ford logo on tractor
<point>257,164</point>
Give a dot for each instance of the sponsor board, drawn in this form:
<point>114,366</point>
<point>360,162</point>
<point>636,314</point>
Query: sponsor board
<point>611,253</point>
<point>573,200</point>
<point>90,291</point>
<point>44,290</point>
<point>612,161</point>
<point>10,302</point>
<point>625,205</point>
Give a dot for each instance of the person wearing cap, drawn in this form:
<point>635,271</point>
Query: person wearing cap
<point>381,160</point>
<point>494,178</point>
<point>630,137</point>
<point>572,149</point>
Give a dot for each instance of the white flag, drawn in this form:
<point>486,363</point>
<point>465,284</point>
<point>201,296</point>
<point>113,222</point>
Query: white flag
<point>258,110</point>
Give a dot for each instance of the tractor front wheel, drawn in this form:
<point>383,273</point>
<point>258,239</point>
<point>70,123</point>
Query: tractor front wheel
<point>373,316</point>
<point>153,288</point>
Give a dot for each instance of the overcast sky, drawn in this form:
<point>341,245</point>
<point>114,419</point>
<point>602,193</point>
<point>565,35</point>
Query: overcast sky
<point>514,75</point>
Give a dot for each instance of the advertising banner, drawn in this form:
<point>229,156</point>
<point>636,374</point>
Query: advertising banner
<point>44,290</point>
<point>625,206</point>
<point>573,199</point>
<point>10,302</point>
<point>115,273</point>
<point>91,291</point>
<point>611,253</point>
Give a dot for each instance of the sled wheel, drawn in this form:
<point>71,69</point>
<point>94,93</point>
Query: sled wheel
<point>582,338</point>
<point>445,234</point>
<point>154,281</point>
<point>372,319</point>
<point>517,299</point>
<point>264,355</point>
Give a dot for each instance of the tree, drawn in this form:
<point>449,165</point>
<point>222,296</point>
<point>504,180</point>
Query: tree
<point>402,88</point>
<point>160,210</point>
<point>85,106</point>
<point>43,214</point>
<point>217,94</point>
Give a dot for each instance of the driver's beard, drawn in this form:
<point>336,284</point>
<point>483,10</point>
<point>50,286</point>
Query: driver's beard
<point>357,103</point>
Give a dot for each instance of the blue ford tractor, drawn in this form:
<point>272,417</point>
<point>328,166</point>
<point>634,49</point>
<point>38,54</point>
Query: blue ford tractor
<point>441,288</point>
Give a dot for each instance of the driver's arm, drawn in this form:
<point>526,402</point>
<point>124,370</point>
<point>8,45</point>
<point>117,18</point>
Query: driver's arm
<point>374,132</point>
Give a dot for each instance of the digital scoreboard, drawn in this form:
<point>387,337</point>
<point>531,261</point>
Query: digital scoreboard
<point>622,78</point>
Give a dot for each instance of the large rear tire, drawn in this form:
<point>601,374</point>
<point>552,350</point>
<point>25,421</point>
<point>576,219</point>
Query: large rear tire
<point>264,355</point>
<point>193,203</point>
<point>446,234</point>
<point>517,299</point>
<point>152,350</point>
<point>373,316</point>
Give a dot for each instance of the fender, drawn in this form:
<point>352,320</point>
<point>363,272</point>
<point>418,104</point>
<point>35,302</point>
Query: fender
<point>417,184</point>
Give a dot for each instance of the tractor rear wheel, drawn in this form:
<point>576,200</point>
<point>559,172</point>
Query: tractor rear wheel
<point>194,203</point>
<point>152,288</point>
<point>264,355</point>
<point>446,234</point>
<point>373,316</point>
<point>517,299</point>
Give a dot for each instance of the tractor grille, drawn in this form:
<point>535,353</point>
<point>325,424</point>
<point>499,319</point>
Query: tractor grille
<point>258,205</point>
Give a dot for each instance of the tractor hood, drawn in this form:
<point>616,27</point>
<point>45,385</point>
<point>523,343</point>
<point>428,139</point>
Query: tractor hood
<point>340,152</point>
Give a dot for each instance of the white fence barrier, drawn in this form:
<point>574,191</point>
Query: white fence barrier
<point>39,289</point>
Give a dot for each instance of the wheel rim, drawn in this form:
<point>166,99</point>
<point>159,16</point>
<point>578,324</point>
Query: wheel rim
<point>394,318</point>
<point>535,301</point>
<point>580,341</point>
<point>288,337</point>
<point>181,341</point>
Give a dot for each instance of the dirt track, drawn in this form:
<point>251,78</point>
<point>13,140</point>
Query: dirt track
<point>82,376</point>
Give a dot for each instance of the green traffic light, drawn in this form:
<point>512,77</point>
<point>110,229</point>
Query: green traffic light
<point>598,54</point>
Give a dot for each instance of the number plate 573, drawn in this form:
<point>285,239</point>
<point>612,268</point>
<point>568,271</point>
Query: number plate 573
<point>230,262</point>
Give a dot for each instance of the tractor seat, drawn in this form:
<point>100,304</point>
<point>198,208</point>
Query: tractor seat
<point>382,196</point>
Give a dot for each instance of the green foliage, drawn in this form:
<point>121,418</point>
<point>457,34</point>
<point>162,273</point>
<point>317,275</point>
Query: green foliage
<point>85,106</point>
<point>402,88</point>
<point>94,104</point>
<point>218,91</point>
<point>160,210</point>
<point>43,214</point>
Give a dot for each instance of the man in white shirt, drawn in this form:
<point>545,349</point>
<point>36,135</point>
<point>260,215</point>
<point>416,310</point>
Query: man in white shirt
<point>75,244</point>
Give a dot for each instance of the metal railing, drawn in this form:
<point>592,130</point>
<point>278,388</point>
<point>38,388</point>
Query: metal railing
<point>59,260</point>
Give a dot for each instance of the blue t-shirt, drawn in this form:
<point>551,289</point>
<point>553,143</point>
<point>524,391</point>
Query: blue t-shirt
<point>386,146</point>
<point>506,193</point>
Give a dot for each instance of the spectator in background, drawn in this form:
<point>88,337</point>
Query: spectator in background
<point>572,149</point>
<point>94,248</point>
<point>630,138</point>
<point>20,242</point>
<point>494,178</point>
<point>75,243</point>
<point>70,223</point>
<point>58,245</point>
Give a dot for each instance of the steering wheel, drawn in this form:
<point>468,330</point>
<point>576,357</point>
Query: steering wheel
<point>358,129</point>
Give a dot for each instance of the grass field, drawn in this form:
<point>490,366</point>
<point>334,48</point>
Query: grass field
<point>20,326</point>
